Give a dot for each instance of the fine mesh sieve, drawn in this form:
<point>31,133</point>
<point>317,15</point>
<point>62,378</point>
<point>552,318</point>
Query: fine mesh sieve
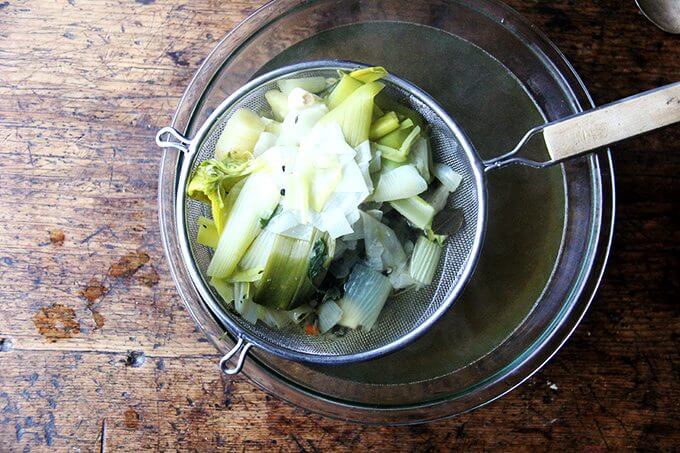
<point>405,316</point>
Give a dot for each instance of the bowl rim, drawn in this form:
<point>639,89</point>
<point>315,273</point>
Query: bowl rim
<point>506,379</point>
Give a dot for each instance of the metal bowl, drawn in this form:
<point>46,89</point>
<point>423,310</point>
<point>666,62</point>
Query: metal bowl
<point>549,231</point>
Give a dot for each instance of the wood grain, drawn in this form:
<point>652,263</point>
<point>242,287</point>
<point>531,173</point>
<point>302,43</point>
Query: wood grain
<point>83,280</point>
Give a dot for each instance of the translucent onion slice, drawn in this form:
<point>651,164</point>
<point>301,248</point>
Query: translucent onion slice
<point>329,315</point>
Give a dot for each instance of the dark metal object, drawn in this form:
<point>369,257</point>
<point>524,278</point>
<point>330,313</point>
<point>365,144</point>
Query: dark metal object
<point>665,14</point>
<point>448,221</point>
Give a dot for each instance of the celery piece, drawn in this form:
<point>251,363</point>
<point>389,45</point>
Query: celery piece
<point>278,102</point>
<point>207,232</point>
<point>368,75</point>
<point>346,86</point>
<point>383,126</point>
<point>424,261</point>
<point>239,136</point>
<point>416,210</point>
<point>354,114</point>
<point>256,200</point>
<point>310,84</point>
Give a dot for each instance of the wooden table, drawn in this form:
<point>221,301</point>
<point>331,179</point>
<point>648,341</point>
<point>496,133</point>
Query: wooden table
<point>84,85</point>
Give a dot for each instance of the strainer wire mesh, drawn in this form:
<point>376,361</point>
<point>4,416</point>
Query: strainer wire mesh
<point>402,314</point>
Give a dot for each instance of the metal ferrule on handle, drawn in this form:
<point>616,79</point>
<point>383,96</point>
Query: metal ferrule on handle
<point>241,345</point>
<point>587,131</point>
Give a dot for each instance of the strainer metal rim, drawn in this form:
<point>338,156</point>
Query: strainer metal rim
<point>190,146</point>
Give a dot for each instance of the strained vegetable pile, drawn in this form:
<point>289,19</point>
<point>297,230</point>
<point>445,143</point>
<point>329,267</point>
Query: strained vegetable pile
<point>322,207</point>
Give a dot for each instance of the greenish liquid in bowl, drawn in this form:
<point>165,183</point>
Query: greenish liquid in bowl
<point>526,206</point>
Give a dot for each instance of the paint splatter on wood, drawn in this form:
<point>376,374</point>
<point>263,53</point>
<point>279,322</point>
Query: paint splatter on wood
<point>56,322</point>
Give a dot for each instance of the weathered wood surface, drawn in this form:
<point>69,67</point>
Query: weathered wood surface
<point>83,87</point>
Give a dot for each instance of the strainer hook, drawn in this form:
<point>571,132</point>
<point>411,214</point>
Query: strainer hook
<point>241,345</point>
<point>181,142</point>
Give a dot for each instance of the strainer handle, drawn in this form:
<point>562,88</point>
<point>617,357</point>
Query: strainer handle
<point>583,132</point>
<point>181,142</point>
<point>241,345</point>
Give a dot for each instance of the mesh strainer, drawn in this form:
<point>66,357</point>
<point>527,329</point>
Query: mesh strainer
<point>407,316</point>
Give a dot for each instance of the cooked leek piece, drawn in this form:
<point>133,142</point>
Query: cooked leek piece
<point>447,176</point>
<point>224,289</point>
<point>275,318</point>
<point>266,141</point>
<point>398,154</point>
<point>366,291</point>
<point>401,278</point>
<point>243,303</point>
<point>278,102</point>
<point>396,138</point>
<point>298,314</point>
<point>324,184</point>
<point>424,261</point>
<point>383,249</point>
<point>354,113</point>
<point>402,182</point>
<point>258,252</point>
<point>420,157</point>
<point>291,270</point>
<point>311,84</point>
<point>416,210</point>
<point>271,126</point>
<point>368,75</point>
<point>438,197</point>
<point>377,113</point>
<point>329,315</point>
<point>239,136</point>
<point>346,86</point>
<point>257,200</point>
<point>207,233</point>
<point>246,276</point>
<point>387,103</point>
<point>383,126</point>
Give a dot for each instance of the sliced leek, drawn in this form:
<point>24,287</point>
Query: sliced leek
<point>383,126</point>
<point>344,88</point>
<point>368,75</point>
<point>354,113</point>
<point>416,210</point>
<point>402,182</point>
<point>366,292</point>
<point>257,200</point>
<point>311,84</point>
<point>207,233</point>
<point>240,135</point>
